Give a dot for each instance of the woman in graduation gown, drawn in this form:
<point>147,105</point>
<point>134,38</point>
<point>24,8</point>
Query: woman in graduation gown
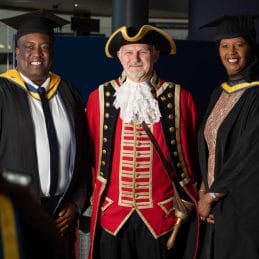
<point>229,148</point>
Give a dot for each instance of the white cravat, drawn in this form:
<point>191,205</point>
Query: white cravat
<point>136,102</point>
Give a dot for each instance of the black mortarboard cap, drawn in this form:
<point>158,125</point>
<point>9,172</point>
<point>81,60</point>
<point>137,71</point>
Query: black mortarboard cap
<point>38,21</point>
<point>233,26</point>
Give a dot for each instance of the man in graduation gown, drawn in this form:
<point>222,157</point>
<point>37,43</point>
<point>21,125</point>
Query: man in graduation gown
<point>133,211</point>
<point>42,125</point>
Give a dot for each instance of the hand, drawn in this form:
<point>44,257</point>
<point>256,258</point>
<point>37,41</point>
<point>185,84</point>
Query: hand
<point>65,217</point>
<point>204,207</point>
<point>210,219</point>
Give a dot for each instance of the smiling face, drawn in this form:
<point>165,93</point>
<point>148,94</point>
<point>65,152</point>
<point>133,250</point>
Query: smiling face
<point>235,53</point>
<point>138,60</point>
<point>34,56</point>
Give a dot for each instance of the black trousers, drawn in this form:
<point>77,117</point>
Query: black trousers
<point>134,241</point>
<point>65,245</point>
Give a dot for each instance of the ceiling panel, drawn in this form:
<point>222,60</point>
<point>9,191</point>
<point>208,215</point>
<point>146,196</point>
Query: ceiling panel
<point>158,9</point>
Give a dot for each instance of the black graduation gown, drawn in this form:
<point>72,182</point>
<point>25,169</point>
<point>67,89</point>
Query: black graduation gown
<point>17,138</point>
<point>236,230</point>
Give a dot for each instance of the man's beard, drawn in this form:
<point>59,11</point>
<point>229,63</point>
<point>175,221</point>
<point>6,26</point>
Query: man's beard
<point>137,76</point>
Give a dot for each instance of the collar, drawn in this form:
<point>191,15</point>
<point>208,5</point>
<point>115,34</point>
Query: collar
<point>227,87</point>
<point>153,79</point>
<point>158,85</point>
<point>32,86</point>
<point>14,76</point>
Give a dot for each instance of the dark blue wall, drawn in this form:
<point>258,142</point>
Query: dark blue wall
<point>195,66</point>
<point>82,61</point>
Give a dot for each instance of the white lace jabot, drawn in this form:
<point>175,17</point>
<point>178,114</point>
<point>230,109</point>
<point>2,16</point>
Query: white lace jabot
<point>136,102</point>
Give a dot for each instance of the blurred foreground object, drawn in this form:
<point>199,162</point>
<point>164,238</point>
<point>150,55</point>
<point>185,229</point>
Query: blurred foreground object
<point>26,231</point>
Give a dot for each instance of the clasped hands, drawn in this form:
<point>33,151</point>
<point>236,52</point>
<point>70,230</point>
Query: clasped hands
<point>205,204</point>
<point>65,218</point>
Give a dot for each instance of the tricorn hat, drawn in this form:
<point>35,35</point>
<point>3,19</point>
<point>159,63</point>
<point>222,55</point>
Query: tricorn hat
<point>145,34</point>
<point>233,26</point>
<point>38,21</point>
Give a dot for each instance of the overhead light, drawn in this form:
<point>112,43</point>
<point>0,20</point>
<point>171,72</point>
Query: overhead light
<point>76,5</point>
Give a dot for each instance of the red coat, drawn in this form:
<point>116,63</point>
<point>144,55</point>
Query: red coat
<point>137,179</point>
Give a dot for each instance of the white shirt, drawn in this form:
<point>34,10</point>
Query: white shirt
<point>65,135</point>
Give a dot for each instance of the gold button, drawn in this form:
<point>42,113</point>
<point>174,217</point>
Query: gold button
<point>178,165</point>
<point>103,162</point>
<point>182,175</point>
<point>105,127</point>
<point>107,115</point>
<point>107,104</point>
<point>104,151</point>
<point>138,144</point>
<point>108,93</point>
<point>136,195</point>
<point>170,95</point>
<point>171,129</point>
<point>162,98</point>
<point>173,142</point>
<point>175,153</point>
<point>101,173</point>
<point>169,105</point>
<point>171,116</point>
<point>104,140</point>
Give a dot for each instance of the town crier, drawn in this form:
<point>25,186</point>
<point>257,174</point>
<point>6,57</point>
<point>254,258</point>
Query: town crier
<point>133,213</point>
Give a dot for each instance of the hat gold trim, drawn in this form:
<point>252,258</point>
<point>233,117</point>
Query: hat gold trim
<point>140,35</point>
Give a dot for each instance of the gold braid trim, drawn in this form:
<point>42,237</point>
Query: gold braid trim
<point>140,35</point>
<point>237,87</point>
